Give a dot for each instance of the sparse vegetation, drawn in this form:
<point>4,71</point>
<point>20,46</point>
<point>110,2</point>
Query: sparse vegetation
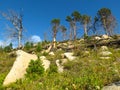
<point>87,72</point>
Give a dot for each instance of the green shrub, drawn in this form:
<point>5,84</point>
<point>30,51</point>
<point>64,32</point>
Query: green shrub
<point>8,48</point>
<point>35,69</point>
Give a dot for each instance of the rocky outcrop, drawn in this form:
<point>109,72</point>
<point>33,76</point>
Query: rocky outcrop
<point>19,67</point>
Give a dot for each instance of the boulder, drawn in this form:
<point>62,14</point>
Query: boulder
<point>105,58</point>
<point>70,56</point>
<point>51,53</point>
<point>46,63</point>
<point>97,38</point>
<point>60,67</point>
<point>111,87</point>
<point>19,67</point>
<point>104,48</point>
<point>81,40</point>
<point>105,36</point>
<point>105,53</point>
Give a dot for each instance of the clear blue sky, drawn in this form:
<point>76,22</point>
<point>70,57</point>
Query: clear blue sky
<point>39,13</point>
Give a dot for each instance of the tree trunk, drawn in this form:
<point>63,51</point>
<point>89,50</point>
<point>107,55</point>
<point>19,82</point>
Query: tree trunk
<point>54,42</point>
<point>74,32</point>
<point>19,38</point>
<point>104,23</point>
<point>85,29</point>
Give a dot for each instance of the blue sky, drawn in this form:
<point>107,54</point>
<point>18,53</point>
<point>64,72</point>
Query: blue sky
<point>39,13</point>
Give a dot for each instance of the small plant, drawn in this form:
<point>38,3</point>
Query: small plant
<point>35,69</point>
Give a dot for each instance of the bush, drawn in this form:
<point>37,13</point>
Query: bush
<point>35,69</point>
<point>8,48</point>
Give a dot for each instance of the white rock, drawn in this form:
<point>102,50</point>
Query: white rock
<point>105,57</point>
<point>105,36</point>
<point>19,67</point>
<point>105,53</point>
<point>97,38</point>
<point>51,53</point>
<point>113,87</point>
<point>70,56</point>
<point>60,67</point>
<point>104,48</point>
<point>46,63</point>
<point>42,58</point>
<point>81,40</point>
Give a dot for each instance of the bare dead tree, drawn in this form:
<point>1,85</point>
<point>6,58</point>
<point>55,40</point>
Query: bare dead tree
<point>16,20</point>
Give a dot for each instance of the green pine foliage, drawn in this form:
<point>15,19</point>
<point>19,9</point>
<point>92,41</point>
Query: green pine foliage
<point>35,69</point>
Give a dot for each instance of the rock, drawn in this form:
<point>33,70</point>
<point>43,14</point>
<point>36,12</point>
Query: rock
<point>81,40</point>
<point>60,67</point>
<point>71,46</point>
<point>63,61</point>
<point>64,44</point>
<point>105,36</point>
<point>97,38</point>
<point>86,53</point>
<point>19,67</point>
<point>46,63</point>
<point>104,48</point>
<point>70,43</point>
<point>51,53</point>
<point>105,57</point>
<point>70,56</point>
<point>105,53</point>
<point>111,87</point>
<point>42,58</point>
